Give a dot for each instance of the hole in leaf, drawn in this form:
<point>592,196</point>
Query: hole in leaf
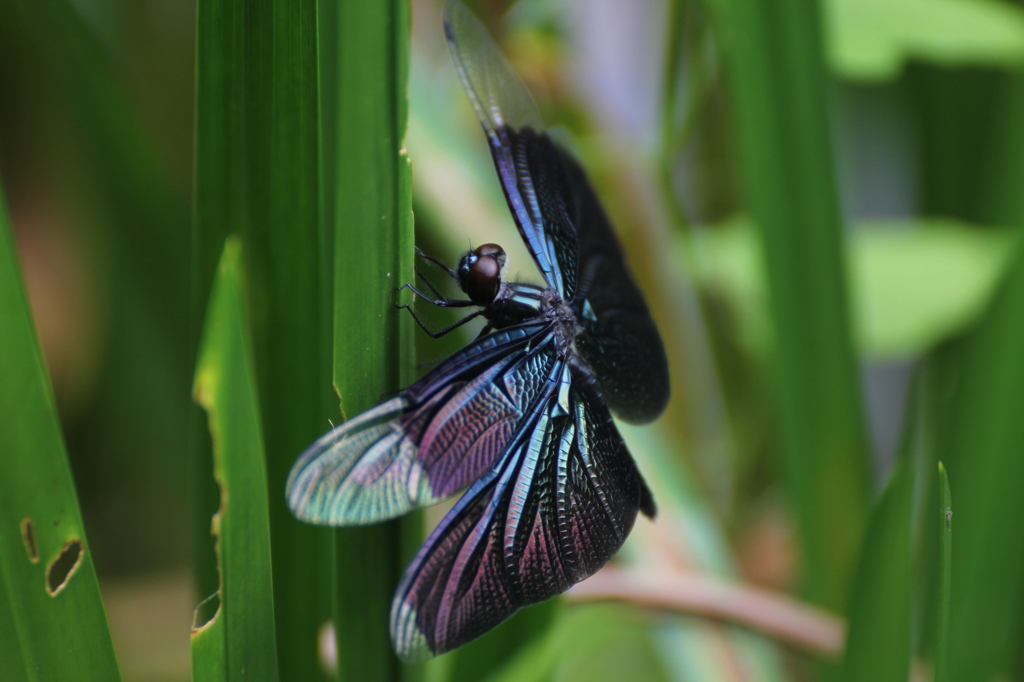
<point>63,567</point>
<point>28,534</point>
<point>206,612</point>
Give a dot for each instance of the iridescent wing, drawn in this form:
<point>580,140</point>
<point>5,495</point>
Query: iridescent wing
<point>432,440</point>
<point>564,226</point>
<point>622,344</point>
<point>526,160</point>
<point>555,511</point>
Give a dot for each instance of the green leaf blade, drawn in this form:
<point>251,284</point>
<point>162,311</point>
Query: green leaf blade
<point>878,642</point>
<point>373,226</point>
<point>373,241</point>
<point>56,613</point>
<point>209,651</point>
<point>984,445</point>
<point>945,522</point>
<point>258,175</point>
<point>989,437</point>
<point>225,386</point>
<point>778,84</point>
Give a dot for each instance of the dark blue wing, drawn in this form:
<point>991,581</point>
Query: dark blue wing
<point>527,162</point>
<point>432,440</point>
<point>621,344</point>
<point>557,508</point>
<point>564,226</point>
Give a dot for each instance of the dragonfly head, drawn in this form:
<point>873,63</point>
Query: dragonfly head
<point>480,273</point>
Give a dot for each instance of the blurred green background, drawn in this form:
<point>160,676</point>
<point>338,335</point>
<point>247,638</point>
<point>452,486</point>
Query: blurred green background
<point>821,200</point>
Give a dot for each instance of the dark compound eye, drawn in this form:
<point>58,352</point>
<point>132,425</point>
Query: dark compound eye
<point>480,273</point>
<point>492,250</point>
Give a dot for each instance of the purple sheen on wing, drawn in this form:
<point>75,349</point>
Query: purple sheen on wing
<point>557,509</point>
<point>421,613</point>
<point>468,434</point>
<point>473,429</point>
<point>540,568</point>
<point>372,467</point>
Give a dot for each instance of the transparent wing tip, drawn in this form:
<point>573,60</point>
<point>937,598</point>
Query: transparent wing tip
<point>498,95</point>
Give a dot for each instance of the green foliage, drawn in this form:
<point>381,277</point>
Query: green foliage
<point>299,154</point>
<point>257,175</point>
<point>912,284</point>
<point>988,437</point>
<point>594,642</point>
<point>878,642</point>
<point>945,519</point>
<point>243,642</point>
<point>373,244</point>
<point>52,623</point>
<point>873,39</point>
<point>778,86</point>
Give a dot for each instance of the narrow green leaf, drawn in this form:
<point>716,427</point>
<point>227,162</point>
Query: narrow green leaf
<point>51,601</point>
<point>945,576</point>
<point>989,437</point>
<point>983,450</point>
<point>878,640</point>
<point>373,239</point>
<point>284,234</point>
<point>225,386</point>
<point>778,86</point>
<point>209,650</point>
<point>218,210</point>
<point>116,180</point>
<point>258,175</point>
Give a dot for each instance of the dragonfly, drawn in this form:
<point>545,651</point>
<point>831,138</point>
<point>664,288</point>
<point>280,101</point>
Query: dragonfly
<point>520,420</point>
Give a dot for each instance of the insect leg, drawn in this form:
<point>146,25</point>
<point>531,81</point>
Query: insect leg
<point>441,332</point>
<point>441,301</point>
